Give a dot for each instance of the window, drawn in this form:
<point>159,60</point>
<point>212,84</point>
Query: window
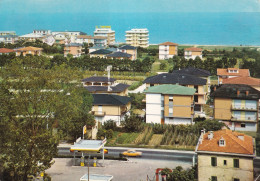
<point>243,125</point>
<point>225,162</point>
<point>214,178</point>
<point>222,142</point>
<point>213,161</point>
<point>236,163</point>
<point>196,98</point>
<point>236,179</point>
<point>196,87</point>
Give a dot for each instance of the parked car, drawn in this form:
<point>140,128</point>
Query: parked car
<point>133,153</point>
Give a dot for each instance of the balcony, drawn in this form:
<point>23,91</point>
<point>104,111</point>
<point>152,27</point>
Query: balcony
<point>242,108</point>
<point>98,113</point>
<point>244,119</point>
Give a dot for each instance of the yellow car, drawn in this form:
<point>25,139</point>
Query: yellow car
<point>132,153</point>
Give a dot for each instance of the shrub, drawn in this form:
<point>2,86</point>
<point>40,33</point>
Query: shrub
<point>135,85</point>
<point>110,124</point>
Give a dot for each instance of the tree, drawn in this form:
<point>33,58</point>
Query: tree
<point>132,123</point>
<point>179,174</point>
<point>136,102</point>
<point>163,66</point>
<point>32,98</point>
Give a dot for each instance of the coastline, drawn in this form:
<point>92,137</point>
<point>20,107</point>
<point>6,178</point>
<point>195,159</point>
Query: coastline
<point>198,45</point>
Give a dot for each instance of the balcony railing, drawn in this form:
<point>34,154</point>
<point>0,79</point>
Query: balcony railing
<point>98,113</point>
<point>243,108</point>
<point>250,118</point>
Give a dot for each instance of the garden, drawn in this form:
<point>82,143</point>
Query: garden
<point>135,133</point>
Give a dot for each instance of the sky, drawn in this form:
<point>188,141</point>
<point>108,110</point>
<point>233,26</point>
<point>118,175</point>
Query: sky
<point>74,6</point>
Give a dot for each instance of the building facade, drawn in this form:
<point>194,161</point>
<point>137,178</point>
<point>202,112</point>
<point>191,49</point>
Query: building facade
<point>192,53</point>
<point>225,155</point>
<point>7,33</point>
<point>137,37</point>
<point>103,85</point>
<point>170,104</point>
<point>74,49</point>
<point>167,50</point>
<point>101,53</point>
<point>85,39</point>
<point>191,81</point>
<point>42,32</point>
<point>100,41</point>
<point>106,31</point>
<point>237,106</point>
<point>129,50</point>
<point>28,51</point>
<point>110,107</point>
<point>8,39</point>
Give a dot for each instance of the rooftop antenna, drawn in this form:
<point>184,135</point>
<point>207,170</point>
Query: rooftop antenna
<point>108,69</point>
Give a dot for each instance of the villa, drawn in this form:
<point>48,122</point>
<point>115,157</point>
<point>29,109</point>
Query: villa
<point>167,50</point>
<point>192,53</point>
<point>28,51</point>
<point>74,49</point>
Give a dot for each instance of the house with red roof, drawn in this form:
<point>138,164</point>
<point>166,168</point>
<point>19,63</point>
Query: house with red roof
<point>253,82</point>
<point>192,53</point>
<point>28,51</point>
<point>5,51</point>
<point>225,155</point>
<point>167,50</point>
<point>231,72</point>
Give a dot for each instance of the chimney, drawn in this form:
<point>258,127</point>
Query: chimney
<point>247,92</point>
<point>201,136</point>
<point>241,137</point>
<point>238,92</point>
<point>210,135</point>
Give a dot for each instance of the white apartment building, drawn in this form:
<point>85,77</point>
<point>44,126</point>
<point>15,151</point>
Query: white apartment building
<point>167,50</point>
<point>192,53</point>
<point>107,32</point>
<point>7,33</point>
<point>138,37</point>
<point>42,32</point>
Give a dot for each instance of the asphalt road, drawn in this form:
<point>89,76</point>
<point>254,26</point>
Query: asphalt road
<point>147,154</point>
<point>150,154</point>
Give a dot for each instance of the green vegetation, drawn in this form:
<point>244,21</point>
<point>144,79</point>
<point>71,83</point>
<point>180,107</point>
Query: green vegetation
<point>35,98</point>
<point>179,174</point>
<point>134,133</point>
<point>135,85</point>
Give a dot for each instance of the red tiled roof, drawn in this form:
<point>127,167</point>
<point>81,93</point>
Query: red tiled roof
<point>6,50</point>
<point>30,48</point>
<point>193,49</point>
<point>242,80</point>
<point>233,144</point>
<point>241,72</point>
<point>169,43</point>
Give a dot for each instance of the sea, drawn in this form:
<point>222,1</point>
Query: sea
<point>236,28</point>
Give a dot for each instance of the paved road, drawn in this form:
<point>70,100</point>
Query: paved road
<point>148,154</point>
<point>153,154</point>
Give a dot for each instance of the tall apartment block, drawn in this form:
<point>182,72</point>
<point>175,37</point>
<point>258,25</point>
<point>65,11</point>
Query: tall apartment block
<point>106,31</point>
<point>137,37</point>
